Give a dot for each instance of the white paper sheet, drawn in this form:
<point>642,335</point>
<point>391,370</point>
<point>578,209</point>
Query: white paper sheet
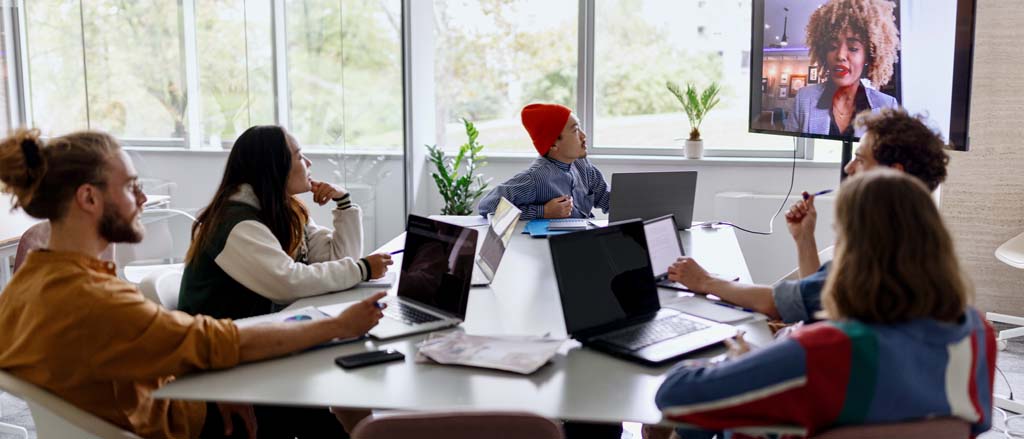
<point>522,355</point>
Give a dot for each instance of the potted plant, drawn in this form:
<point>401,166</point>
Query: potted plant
<point>459,190</point>
<point>697,107</point>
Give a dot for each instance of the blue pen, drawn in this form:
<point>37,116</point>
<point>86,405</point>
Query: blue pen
<point>397,251</point>
<point>826,191</point>
<point>729,305</point>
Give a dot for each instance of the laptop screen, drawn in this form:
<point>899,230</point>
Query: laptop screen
<point>662,243</point>
<point>604,275</point>
<point>498,234</point>
<point>437,264</point>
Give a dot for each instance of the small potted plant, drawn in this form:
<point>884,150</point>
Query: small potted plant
<point>697,107</point>
<point>460,191</point>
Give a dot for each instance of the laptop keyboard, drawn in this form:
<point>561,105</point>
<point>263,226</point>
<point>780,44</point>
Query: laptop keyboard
<point>408,314</point>
<point>640,336</point>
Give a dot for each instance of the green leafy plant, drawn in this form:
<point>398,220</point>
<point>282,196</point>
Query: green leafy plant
<point>459,190</point>
<point>696,106</point>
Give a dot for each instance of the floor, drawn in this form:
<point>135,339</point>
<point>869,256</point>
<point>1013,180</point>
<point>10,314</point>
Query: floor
<point>1011,362</point>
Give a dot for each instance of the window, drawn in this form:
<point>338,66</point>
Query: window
<point>492,58</point>
<point>329,70</point>
<point>234,43</point>
<point>8,72</point>
<point>345,73</point>
<point>669,40</point>
<point>104,64</point>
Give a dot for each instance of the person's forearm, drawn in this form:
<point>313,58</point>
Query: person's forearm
<point>755,297</point>
<point>274,340</point>
<point>807,257</point>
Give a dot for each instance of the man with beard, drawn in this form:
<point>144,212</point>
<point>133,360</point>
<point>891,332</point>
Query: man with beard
<point>70,326</point>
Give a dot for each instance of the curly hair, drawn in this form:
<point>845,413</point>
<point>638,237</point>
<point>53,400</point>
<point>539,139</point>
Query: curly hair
<point>898,137</point>
<point>872,19</point>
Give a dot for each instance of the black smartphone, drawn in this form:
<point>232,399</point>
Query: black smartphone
<point>368,358</point>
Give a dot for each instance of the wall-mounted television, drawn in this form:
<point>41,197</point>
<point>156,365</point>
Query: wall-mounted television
<point>816,63</point>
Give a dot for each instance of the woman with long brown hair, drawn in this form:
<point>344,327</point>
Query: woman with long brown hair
<point>901,341</point>
<point>255,246</point>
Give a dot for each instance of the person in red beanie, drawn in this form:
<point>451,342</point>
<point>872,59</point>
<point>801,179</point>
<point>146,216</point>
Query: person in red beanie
<point>561,183</point>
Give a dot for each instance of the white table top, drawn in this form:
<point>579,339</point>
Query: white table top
<point>583,385</point>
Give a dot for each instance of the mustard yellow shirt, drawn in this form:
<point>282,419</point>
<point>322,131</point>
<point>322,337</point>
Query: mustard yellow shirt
<point>70,326</point>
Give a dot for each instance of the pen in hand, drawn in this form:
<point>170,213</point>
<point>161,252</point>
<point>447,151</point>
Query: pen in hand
<point>822,192</point>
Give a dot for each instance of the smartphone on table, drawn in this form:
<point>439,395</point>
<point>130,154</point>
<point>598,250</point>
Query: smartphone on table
<point>361,359</point>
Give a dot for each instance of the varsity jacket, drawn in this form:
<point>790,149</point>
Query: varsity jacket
<point>244,271</point>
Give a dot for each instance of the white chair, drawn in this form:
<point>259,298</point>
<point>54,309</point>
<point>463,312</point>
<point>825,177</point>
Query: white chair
<point>162,287</point>
<point>56,418</point>
<point>1012,254</point>
<point>823,257</point>
<point>168,234</point>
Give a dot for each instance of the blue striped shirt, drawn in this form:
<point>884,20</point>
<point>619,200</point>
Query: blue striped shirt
<point>546,179</point>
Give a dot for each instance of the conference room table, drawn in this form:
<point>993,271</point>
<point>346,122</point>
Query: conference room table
<point>579,384</point>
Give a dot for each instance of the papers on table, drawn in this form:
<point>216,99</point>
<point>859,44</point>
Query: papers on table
<point>298,315</point>
<point>335,309</point>
<point>304,314</point>
<point>708,309</point>
<point>521,354</point>
<point>384,282</point>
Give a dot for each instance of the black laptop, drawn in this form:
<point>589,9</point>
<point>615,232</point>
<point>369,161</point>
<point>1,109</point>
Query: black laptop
<point>649,195</point>
<point>433,288</point>
<point>610,301</point>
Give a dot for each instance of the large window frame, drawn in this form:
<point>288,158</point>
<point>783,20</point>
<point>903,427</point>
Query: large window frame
<point>20,105</point>
<point>586,98</point>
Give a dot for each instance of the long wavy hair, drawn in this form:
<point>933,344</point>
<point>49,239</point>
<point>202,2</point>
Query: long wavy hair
<point>261,158</point>
<point>894,258</point>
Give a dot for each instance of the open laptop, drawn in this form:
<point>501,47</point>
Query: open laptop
<point>496,238</point>
<point>664,247</point>
<point>648,195</point>
<point>433,287</point>
<point>610,302</point>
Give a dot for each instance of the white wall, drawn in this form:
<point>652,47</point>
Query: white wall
<point>768,257</point>
<point>197,174</point>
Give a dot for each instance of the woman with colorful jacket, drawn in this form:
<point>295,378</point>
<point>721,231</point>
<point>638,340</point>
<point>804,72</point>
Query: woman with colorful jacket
<point>900,343</point>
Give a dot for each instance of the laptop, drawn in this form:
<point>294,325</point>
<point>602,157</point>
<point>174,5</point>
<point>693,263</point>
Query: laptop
<point>610,302</point>
<point>649,195</point>
<point>433,287</point>
<point>664,247</point>
<point>496,238</point>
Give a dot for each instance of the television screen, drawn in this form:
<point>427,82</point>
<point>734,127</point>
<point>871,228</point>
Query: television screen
<point>815,64</point>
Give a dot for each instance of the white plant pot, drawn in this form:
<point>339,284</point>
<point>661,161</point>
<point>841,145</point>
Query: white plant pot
<point>694,149</point>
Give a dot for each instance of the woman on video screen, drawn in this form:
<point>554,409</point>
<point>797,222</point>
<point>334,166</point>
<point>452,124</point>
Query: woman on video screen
<point>854,40</point>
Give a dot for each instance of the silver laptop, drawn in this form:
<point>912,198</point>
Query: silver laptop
<point>497,236</point>
<point>649,195</point>
<point>610,302</point>
<point>433,288</point>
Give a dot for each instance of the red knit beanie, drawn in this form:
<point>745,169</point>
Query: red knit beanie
<point>545,122</point>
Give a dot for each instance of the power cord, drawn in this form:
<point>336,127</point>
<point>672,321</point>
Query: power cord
<point>771,222</point>
<point>1007,430</point>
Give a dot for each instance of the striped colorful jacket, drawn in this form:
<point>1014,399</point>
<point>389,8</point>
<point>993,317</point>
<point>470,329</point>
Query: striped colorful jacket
<point>842,373</point>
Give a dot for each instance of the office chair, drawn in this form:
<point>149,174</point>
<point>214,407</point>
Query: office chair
<point>458,425</point>
<point>168,234</point>
<point>1010,253</point>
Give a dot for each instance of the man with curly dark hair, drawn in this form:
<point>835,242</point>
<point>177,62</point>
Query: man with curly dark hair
<point>894,139</point>
<point>855,44</point>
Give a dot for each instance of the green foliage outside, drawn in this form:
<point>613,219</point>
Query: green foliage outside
<point>459,189</point>
<point>343,67</point>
